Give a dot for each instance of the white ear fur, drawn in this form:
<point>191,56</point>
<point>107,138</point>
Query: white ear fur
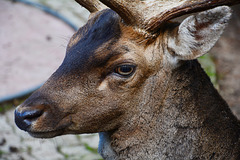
<point>197,34</point>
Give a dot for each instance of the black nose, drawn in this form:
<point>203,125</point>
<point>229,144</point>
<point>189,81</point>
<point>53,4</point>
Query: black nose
<point>25,118</point>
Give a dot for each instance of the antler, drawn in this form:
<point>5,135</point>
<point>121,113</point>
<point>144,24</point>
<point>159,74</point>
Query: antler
<point>91,5</point>
<point>150,14</point>
<point>189,6</point>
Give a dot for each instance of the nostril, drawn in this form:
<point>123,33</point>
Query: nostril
<point>24,119</point>
<point>31,115</point>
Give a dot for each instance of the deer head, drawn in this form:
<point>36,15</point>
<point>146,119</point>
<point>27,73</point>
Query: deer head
<point>118,66</point>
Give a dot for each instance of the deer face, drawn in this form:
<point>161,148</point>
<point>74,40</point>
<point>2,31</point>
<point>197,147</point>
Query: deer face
<point>109,71</point>
<point>98,81</point>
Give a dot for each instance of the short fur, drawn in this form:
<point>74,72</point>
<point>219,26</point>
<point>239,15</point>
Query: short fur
<point>166,109</point>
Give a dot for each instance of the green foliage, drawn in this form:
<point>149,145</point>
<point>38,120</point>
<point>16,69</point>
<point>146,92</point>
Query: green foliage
<point>91,149</point>
<point>29,150</point>
<point>5,107</point>
<point>59,149</point>
<point>2,153</point>
<point>208,65</point>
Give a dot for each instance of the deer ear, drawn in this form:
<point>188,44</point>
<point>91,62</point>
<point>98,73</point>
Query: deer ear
<point>197,34</point>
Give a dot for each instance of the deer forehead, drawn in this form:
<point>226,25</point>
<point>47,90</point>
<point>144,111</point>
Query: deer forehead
<point>102,26</point>
<point>102,40</point>
<point>102,31</point>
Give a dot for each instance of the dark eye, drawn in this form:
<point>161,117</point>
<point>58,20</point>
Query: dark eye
<point>125,70</point>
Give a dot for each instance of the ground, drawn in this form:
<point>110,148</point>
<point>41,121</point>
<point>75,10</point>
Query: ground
<point>32,46</point>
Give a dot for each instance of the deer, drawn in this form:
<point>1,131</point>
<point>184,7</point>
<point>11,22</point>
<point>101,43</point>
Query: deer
<point>131,74</point>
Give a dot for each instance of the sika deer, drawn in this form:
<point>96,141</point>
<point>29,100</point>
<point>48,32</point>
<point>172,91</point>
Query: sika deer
<point>131,75</point>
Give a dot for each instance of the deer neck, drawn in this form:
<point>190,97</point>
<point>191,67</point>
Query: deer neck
<point>189,117</point>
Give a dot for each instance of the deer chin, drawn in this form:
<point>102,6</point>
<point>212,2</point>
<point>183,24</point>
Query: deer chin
<point>38,131</point>
<point>49,134</point>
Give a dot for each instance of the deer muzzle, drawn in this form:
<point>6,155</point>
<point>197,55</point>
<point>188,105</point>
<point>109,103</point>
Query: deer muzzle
<point>26,116</point>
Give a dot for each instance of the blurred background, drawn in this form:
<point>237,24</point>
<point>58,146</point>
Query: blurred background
<point>33,39</point>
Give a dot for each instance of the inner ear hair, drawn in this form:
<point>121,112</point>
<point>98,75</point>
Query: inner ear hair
<point>198,33</point>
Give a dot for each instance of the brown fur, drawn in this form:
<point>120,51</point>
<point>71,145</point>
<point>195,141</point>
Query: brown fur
<point>160,112</point>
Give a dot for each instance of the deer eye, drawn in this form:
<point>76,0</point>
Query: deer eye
<point>125,70</point>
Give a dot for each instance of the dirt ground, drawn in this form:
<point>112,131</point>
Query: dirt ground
<point>29,53</point>
<point>32,46</point>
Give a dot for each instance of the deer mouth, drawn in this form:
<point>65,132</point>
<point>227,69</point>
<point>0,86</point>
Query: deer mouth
<point>60,130</point>
<point>37,122</point>
<point>48,134</point>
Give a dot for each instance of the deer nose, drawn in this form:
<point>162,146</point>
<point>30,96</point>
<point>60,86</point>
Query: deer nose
<point>25,118</point>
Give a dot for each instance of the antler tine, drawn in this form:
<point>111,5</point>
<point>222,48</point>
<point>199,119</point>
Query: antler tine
<point>128,10</point>
<point>149,15</point>
<point>91,5</point>
<point>189,6</point>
